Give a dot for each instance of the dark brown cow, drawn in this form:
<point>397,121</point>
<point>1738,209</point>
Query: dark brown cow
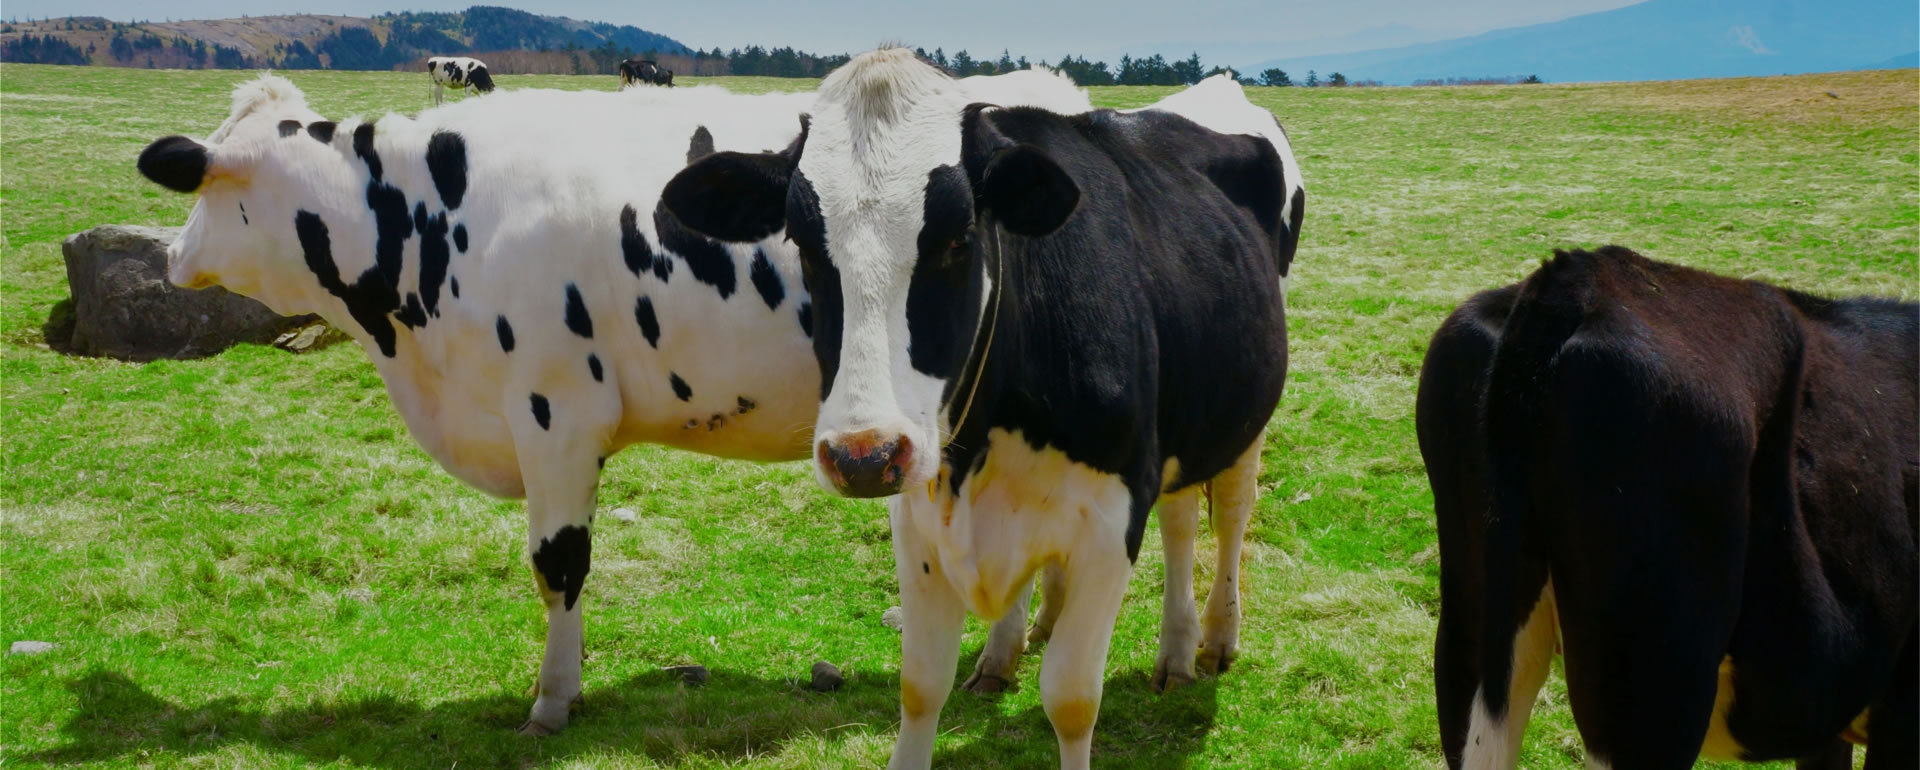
<point>1704,488</point>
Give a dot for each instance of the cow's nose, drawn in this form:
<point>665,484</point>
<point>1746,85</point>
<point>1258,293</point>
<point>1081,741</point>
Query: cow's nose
<point>865,464</point>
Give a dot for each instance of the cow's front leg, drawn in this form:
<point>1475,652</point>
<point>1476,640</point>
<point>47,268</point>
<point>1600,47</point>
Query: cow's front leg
<point>1072,673</point>
<point>560,442</point>
<point>930,614</point>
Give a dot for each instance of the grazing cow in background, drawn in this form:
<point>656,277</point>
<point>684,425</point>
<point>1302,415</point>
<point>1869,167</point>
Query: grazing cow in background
<point>634,71</point>
<point>458,73</point>
<point>505,264</point>
<point>1704,488</point>
<point>1031,327</point>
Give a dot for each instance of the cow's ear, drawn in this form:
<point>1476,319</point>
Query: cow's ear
<point>732,196</point>
<point>176,163</point>
<point>1026,191</point>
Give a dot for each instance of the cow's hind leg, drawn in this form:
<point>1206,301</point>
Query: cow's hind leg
<point>1053,596</point>
<point>1000,658</point>
<point>1179,621</point>
<point>1233,494</point>
<point>1893,725</point>
<point>929,640</point>
<point>1494,730</point>
<point>560,440</point>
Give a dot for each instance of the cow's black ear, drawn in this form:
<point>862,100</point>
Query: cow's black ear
<point>1026,191</point>
<point>732,196</point>
<point>176,163</point>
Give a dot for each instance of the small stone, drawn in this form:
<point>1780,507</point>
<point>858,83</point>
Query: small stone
<point>624,514</point>
<point>693,675</point>
<point>891,619</point>
<point>30,648</point>
<point>826,677</point>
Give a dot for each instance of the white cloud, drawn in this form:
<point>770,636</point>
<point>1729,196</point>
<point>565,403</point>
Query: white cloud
<point>1745,37</point>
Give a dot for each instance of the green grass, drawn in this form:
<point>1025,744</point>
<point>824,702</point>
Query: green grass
<point>246,561</point>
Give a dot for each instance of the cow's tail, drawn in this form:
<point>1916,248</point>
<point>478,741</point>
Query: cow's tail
<point>1519,622</point>
<point>480,79</point>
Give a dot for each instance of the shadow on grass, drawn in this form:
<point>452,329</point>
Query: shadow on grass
<point>732,717</point>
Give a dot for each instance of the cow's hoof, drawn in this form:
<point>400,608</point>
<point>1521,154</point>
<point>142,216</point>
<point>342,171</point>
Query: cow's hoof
<point>1039,634</point>
<point>1166,678</point>
<point>1216,658</point>
<point>982,683</point>
<point>533,729</point>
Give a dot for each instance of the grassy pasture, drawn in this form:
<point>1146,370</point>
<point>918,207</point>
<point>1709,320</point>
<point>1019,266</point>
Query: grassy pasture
<point>246,561</point>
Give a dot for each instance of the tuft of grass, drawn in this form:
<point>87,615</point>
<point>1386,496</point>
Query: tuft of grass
<point>245,560</point>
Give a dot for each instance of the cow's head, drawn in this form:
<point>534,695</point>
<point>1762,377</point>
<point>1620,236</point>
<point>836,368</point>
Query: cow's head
<point>895,197</point>
<point>273,158</point>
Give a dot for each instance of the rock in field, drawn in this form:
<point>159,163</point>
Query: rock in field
<point>826,677</point>
<point>123,306</point>
<point>694,675</point>
<point>891,619</point>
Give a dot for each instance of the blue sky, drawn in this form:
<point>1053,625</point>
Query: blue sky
<point>1223,31</point>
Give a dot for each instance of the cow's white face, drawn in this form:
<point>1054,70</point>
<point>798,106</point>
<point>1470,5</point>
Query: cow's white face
<point>889,198</point>
<point>252,177</point>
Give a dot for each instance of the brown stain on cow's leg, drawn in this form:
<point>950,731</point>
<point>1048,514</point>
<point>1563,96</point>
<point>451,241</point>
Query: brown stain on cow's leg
<point>913,704</point>
<point>1073,718</point>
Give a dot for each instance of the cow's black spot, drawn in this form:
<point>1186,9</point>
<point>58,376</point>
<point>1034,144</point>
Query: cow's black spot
<point>434,255</point>
<point>593,365</point>
<point>369,300</point>
<point>363,148</point>
<point>925,568</point>
<point>766,280</point>
<point>714,422</point>
<point>541,412</point>
<point>943,297</point>
<point>505,330</point>
<point>392,228</point>
<point>578,321</point>
<point>708,259</point>
<point>649,325</point>
<point>322,131</point>
<point>243,213</point>
<point>1294,216</point>
<point>746,405</point>
<point>447,162</point>
<point>460,237</point>
<point>564,560</point>
<point>633,244</point>
<point>662,267</point>
<point>289,128</point>
<point>808,230</point>
<point>701,145</point>
<point>602,462</point>
<point>806,318</point>
<point>454,283</point>
<point>680,387</point>
<point>412,315</point>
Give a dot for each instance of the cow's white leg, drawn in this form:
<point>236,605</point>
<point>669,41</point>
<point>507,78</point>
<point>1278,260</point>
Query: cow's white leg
<point>1000,658</point>
<point>1179,619</point>
<point>560,436</point>
<point>439,95</point>
<point>1493,743</point>
<point>1072,673</point>
<point>1233,494</point>
<point>929,641</point>
<point>1053,596</point>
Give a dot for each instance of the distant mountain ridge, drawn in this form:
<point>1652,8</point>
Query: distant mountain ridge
<point>1654,40</point>
<point>307,41</point>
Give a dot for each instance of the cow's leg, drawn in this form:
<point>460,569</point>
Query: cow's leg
<point>1837,755</point>
<point>1893,724</point>
<point>1233,494</point>
<point>439,93</point>
<point>1053,596</point>
<point>1000,658</point>
<point>1073,670</point>
<point>1493,736</point>
<point>1179,621</point>
<point>560,438</point>
<point>930,615</point>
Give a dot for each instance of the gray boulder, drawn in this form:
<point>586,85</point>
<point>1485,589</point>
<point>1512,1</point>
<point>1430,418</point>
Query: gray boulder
<point>124,308</point>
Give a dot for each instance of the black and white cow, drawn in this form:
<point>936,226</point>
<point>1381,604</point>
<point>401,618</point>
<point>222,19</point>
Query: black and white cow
<point>505,264</point>
<point>1703,488</point>
<point>531,308</point>
<point>637,71</point>
<point>1032,326</point>
<point>458,73</point>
